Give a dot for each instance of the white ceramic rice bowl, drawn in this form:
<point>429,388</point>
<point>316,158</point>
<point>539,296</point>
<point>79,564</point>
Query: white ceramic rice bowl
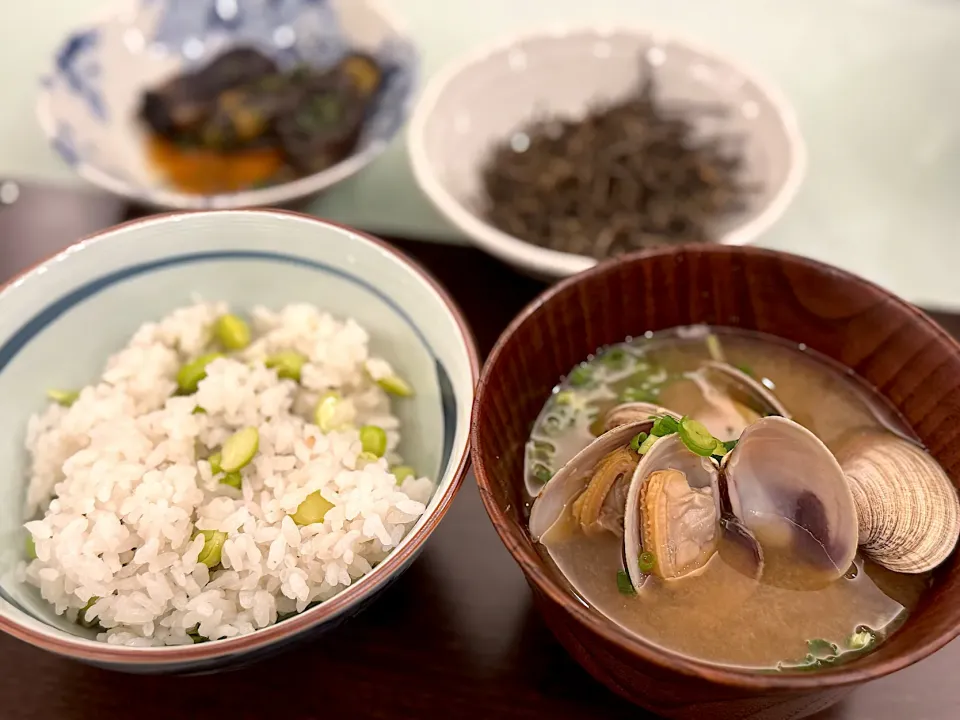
<point>61,320</point>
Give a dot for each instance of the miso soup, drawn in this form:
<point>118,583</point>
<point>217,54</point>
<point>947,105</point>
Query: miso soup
<point>734,498</point>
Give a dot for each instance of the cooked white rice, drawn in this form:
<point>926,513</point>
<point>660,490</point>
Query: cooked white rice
<point>119,491</point>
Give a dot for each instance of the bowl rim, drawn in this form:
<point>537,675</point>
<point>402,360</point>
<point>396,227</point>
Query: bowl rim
<point>522,550</point>
<point>163,196</point>
<point>340,603</point>
<point>536,259</point>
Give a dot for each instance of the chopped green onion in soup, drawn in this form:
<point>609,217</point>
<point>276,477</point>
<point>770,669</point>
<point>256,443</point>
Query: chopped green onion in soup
<point>542,472</point>
<point>647,444</point>
<point>715,348</point>
<point>665,425</point>
<point>632,394</point>
<point>696,437</point>
<point>614,358</point>
<point>647,562</point>
<point>580,376</point>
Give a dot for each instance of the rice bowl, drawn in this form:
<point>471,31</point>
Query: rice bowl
<point>63,320</point>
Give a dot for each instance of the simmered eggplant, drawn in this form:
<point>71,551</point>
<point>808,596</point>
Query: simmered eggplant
<point>324,126</point>
<point>242,122</point>
<point>181,104</point>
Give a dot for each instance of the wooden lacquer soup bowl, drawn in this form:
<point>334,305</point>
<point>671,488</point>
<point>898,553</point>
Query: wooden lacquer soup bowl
<point>886,341</point>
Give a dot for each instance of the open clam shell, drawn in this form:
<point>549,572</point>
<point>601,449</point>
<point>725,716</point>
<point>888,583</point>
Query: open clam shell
<point>723,398</point>
<point>570,481</point>
<point>907,508</point>
<point>743,388</point>
<point>739,548</point>
<point>672,510</point>
<point>785,485</point>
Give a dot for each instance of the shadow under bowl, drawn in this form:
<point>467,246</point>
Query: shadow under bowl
<point>885,340</point>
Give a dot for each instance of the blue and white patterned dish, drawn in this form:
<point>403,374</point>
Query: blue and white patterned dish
<point>88,102</point>
<point>64,317</point>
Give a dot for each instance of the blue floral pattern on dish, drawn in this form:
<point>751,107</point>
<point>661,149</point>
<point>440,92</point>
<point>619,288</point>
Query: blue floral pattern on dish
<point>79,69</point>
<point>89,101</point>
<point>291,31</point>
<point>399,60</point>
<point>64,144</point>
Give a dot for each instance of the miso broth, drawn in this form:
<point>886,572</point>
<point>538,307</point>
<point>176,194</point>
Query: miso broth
<point>791,617</point>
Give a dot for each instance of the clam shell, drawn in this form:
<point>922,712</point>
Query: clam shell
<point>728,378</point>
<point>634,412</point>
<point>907,508</point>
<point>780,471</point>
<point>723,398</point>
<point>739,548</point>
<point>570,480</point>
<point>667,453</point>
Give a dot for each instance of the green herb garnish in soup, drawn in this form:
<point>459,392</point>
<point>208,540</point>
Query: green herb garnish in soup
<point>564,398</point>
<point>646,444</point>
<point>721,501</point>
<point>647,562</point>
<point>632,394</point>
<point>614,358</point>
<point>580,376</point>
<point>696,437</point>
<point>664,426</point>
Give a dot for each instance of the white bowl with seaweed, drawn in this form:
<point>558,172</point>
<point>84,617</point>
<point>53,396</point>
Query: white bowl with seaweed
<point>529,92</point>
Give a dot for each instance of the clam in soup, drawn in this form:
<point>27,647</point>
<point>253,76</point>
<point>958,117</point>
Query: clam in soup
<point>737,499</point>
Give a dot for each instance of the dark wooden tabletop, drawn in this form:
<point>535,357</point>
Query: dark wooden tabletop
<point>456,636</point>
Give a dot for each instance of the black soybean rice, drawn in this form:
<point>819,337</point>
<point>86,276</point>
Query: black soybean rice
<point>630,175</point>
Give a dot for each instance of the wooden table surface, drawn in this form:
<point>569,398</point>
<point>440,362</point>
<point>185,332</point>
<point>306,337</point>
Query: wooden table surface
<point>456,636</point>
